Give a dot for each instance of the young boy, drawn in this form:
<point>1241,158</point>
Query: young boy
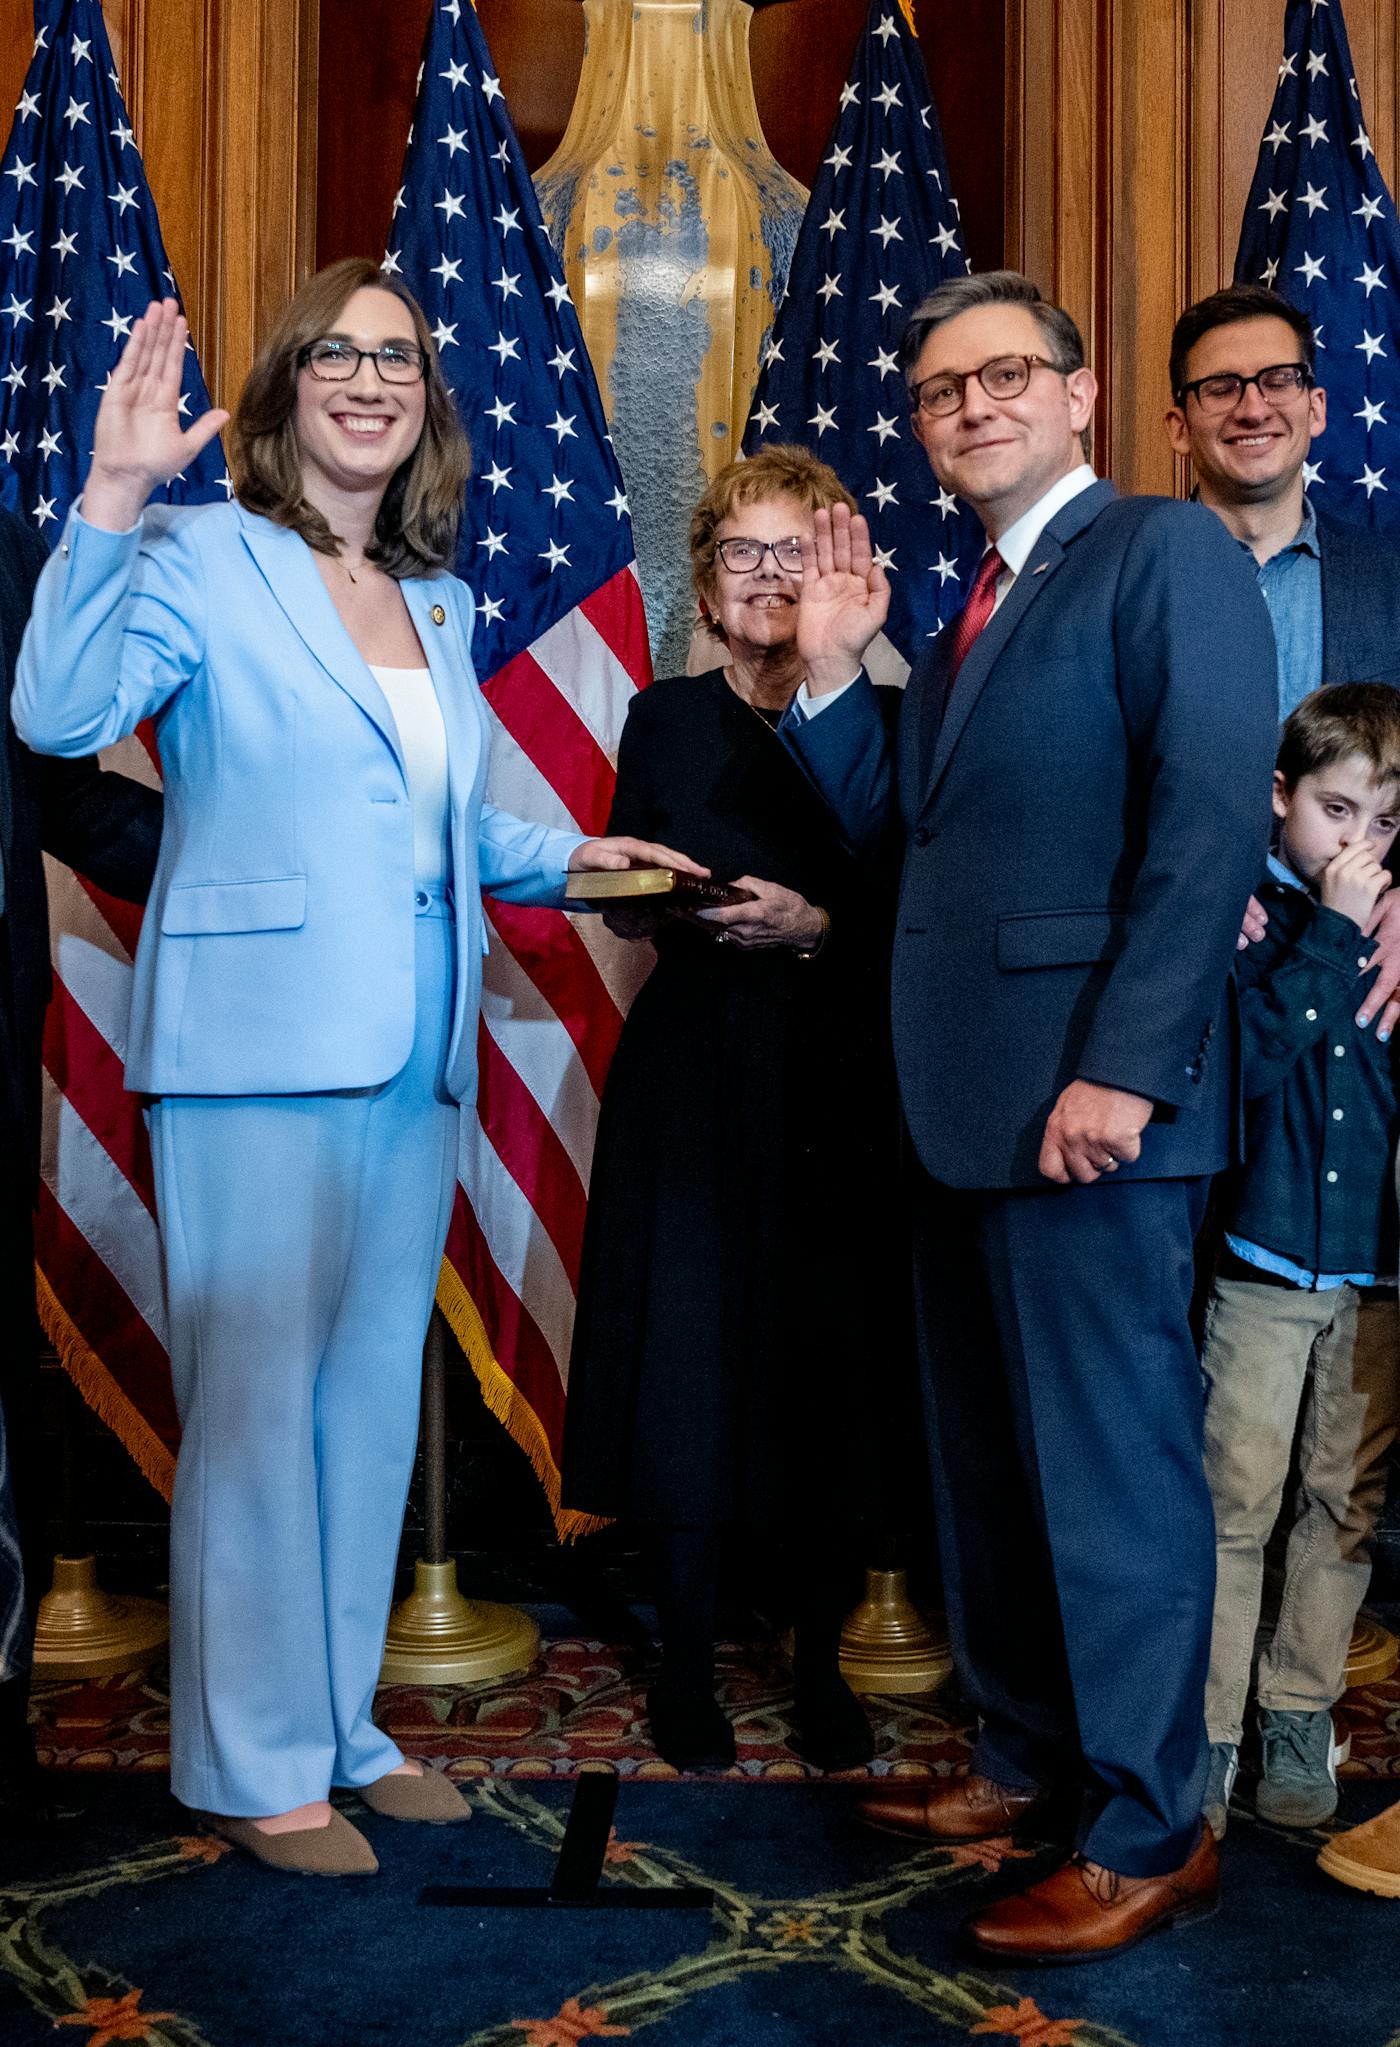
<point>1302,1348</point>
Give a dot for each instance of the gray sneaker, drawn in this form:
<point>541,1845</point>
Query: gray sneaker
<point>1220,1782</point>
<point>1301,1754</point>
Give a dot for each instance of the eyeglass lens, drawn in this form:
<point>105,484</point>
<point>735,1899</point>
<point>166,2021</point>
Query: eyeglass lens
<point>337,361</point>
<point>740,553</point>
<point>1006,376</point>
<point>1280,381</point>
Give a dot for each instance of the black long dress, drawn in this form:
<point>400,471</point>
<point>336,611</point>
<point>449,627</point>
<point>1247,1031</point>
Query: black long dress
<point>741,1317</point>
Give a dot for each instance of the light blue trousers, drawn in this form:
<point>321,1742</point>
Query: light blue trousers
<point>302,1238</point>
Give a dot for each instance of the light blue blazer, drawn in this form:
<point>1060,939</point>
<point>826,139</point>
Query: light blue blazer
<point>277,955</point>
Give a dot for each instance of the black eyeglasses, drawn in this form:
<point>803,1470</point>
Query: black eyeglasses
<point>1005,376</point>
<point>1275,385</point>
<point>739,554</point>
<point>336,362</point>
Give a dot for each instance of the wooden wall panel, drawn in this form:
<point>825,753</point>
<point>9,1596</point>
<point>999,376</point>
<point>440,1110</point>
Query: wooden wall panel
<point>369,62</point>
<point>222,99</point>
<point>1098,206</point>
<point>16,47</point>
<point>1132,132</point>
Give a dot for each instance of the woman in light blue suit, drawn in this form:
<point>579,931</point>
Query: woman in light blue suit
<point>304,1011</point>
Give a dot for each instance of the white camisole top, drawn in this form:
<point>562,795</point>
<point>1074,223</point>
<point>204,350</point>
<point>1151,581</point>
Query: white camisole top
<point>423,738</point>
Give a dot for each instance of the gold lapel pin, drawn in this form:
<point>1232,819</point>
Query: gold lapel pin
<point>439,616</point>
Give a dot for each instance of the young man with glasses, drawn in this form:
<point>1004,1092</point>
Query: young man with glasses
<point>1246,409</point>
<point>1082,771</point>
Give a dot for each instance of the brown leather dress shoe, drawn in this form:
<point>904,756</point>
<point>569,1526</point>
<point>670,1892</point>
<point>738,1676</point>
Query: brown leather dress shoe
<point>1084,1912</point>
<point>970,1808</point>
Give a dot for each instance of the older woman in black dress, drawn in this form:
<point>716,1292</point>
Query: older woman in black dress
<point>737,1317</point>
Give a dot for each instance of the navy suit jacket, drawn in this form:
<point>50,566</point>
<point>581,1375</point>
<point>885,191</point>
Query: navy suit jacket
<point>1082,832</point>
<point>107,826</point>
<point>1360,603</point>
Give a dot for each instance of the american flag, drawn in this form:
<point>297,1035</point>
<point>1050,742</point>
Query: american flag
<point>82,258</point>
<point>560,650</point>
<point>881,229</point>
<point>1321,229</point>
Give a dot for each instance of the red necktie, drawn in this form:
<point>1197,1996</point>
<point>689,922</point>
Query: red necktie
<point>981,602</point>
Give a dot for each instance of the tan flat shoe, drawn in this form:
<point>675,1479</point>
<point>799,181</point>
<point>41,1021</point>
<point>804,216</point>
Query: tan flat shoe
<point>431,1797</point>
<point>336,1850</point>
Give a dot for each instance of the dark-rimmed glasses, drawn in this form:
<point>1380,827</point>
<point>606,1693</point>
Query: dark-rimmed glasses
<point>739,554</point>
<point>1277,385</point>
<point>1005,376</point>
<point>336,362</point>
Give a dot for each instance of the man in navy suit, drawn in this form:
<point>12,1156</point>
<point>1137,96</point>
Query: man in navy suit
<point>109,828</point>
<point>1081,771</point>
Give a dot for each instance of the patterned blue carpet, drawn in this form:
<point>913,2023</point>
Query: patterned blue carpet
<point>819,1933</point>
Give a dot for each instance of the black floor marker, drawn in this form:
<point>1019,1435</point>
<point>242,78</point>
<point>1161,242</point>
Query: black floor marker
<point>580,1865</point>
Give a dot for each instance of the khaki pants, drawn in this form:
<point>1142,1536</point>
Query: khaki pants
<point>1322,1369</point>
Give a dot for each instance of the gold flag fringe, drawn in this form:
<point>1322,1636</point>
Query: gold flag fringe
<point>507,1403</point>
<point>101,1391</point>
<point>157,1463</point>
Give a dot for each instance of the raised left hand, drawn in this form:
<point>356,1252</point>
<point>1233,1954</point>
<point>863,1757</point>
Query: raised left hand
<point>776,916</point>
<point>1092,1131</point>
<point>1384,949</point>
<point>599,855</point>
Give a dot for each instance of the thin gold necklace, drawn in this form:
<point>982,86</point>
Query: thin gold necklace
<point>750,705</point>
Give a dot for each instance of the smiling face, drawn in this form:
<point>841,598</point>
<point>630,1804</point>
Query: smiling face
<point>353,436</point>
<point>1332,808</point>
<point>758,607</point>
<point>1001,455</point>
<point>1254,452</point>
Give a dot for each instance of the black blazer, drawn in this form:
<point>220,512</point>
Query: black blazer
<point>1082,832</point>
<point>1360,603</point>
<point>107,826</point>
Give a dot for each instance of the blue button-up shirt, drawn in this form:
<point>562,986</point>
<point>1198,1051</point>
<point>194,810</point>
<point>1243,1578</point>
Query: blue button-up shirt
<point>1291,584</point>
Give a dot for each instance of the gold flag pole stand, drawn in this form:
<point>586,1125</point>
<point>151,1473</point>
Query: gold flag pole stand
<point>83,1631</point>
<point>80,1630</point>
<point>888,1645</point>
<point>1374,1654</point>
<point>436,1636</point>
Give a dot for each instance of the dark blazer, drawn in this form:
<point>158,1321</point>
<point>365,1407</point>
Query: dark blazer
<point>1317,1183</point>
<point>105,825</point>
<point>1360,603</point>
<point>1082,834</point>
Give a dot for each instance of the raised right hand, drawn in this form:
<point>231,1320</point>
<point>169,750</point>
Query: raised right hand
<point>138,441</point>
<point>843,599</point>
<point>1352,883</point>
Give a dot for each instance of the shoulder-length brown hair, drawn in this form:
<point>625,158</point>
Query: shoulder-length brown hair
<point>415,533</point>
